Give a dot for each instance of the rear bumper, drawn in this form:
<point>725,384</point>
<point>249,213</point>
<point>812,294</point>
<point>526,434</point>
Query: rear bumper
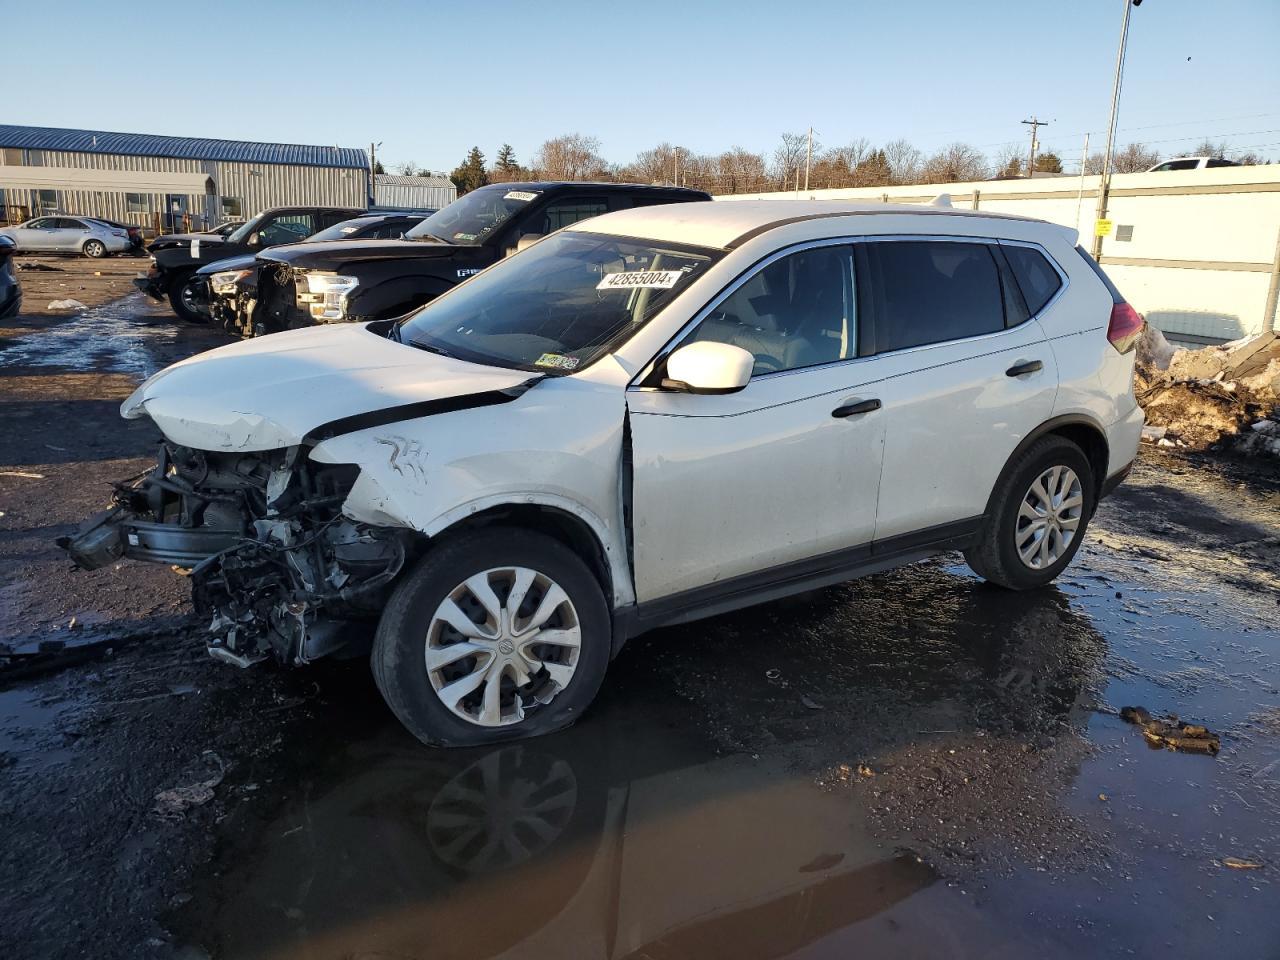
<point>1123,438</point>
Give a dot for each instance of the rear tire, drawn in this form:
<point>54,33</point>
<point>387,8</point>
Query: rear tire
<point>179,299</point>
<point>561,679</point>
<point>94,249</point>
<point>1037,516</point>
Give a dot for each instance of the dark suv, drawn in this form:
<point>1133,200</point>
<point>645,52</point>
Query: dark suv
<point>176,258</point>
<point>372,280</point>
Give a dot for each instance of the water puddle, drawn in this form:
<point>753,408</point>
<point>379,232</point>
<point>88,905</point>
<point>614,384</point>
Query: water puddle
<point>118,337</point>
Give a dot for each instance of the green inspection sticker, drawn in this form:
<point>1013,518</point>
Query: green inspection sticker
<point>557,360</point>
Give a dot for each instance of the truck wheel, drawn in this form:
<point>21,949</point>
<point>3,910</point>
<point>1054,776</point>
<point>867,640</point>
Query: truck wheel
<point>94,249</point>
<point>1038,516</point>
<point>182,299</point>
<point>493,636</point>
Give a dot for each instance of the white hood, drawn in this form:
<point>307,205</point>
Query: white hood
<point>270,392</point>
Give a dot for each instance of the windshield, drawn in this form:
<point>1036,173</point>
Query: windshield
<point>241,233</point>
<point>558,306</point>
<point>470,219</point>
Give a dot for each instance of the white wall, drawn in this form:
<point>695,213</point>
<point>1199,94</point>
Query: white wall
<point>1220,226</point>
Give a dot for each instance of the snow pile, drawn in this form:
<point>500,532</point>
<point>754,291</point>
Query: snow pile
<point>1215,397</point>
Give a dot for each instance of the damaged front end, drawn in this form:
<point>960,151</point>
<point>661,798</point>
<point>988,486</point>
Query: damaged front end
<point>272,560</point>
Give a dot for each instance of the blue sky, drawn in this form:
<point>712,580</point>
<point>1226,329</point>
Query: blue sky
<point>431,79</point>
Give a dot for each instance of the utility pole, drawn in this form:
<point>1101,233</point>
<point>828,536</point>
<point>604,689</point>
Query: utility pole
<point>373,172</point>
<point>1035,126</point>
<point>808,159</point>
<point>1104,184</point>
<point>676,151</point>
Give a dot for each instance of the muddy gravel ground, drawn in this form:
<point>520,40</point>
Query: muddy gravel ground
<point>913,765</point>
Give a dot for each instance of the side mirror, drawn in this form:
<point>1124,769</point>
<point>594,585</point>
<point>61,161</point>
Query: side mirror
<point>527,240</point>
<point>7,247</point>
<point>255,240</point>
<point>708,367</point>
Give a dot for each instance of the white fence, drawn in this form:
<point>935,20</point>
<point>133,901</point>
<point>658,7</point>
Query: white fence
<point>1196,251</point>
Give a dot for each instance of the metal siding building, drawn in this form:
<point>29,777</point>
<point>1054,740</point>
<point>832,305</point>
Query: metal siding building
<point>243,178</point>
<point>413,193</point>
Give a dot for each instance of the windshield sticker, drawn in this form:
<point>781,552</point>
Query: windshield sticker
<point>464,236</point>
<point>633,279</point>
<point>469,271</point>
<point>350,229</point>
<point>524,195</point>
<point>557,360</point>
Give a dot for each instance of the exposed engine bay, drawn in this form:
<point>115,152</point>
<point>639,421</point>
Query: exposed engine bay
<point>272,560</point>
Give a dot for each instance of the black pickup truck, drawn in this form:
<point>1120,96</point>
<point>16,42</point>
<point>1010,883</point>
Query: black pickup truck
<point>304,284</point>
<point>176,258</point>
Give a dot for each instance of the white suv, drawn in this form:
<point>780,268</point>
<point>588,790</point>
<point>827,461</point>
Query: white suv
<point>652,416</point>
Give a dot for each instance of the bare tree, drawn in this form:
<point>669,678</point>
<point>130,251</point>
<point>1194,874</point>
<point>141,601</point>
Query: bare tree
<point>905,161</point>
<point>406,169</point>
<point>955,163</point>
<point>1134,158</point>
<point>738,170</point>
<point>1009,161</point>
<point>837,167</point>
<point>571,157</point>
<point>1207,148</point>
<point>788,158</point>
<point>655,166</point>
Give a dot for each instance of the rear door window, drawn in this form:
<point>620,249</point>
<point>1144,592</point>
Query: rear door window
<point>1036,277</point>
<point>932,291</point>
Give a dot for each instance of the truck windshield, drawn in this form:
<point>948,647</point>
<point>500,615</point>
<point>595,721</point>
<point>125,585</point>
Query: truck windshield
<point>470,219</point>
<point>559,305</point>
<point>241,233</point>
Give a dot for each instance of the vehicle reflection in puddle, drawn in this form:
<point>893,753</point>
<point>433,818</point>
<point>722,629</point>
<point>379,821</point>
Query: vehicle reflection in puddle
<point>556,847</point>
<point>695,812</point>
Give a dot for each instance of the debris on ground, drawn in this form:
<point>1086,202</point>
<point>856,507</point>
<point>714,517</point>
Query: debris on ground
<point>1216,396</point>
<point>45,267</point>
<point>67,305</point>
<point>1172,734</point>
<point>1235,863</point>
<point>175,802</point>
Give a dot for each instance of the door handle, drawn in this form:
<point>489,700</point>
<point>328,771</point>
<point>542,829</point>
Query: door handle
<point>853,409</point>
<point>1027,366</point>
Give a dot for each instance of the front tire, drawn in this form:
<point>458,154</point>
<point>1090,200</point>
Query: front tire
<point>94,249</point>
<point>1037,516</point>
<point>181,299</point>
<point>494,636</point>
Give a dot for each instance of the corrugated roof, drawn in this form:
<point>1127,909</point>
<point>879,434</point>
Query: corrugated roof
<point>182,148</point>
<point>393,179</point>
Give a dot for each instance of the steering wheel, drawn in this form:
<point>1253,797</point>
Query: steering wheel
<point>773,364</point>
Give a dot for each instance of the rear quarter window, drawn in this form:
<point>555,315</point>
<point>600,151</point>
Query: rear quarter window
<point>1037,279</point>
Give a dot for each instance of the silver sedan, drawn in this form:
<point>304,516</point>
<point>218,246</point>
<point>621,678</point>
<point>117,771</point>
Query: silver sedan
<point>58,234</point>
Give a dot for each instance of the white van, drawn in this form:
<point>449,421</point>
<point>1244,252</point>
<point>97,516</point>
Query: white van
<point>652,416</point>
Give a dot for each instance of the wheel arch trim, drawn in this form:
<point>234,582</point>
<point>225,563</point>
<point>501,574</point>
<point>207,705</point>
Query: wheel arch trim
<point>608,542</point>
<point>1055,425</point>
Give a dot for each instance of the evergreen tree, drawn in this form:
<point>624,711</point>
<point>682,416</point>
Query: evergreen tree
<point>470,174</point>
<point>506,161</point>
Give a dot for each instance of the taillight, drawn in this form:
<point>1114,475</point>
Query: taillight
<point>1125,327</point>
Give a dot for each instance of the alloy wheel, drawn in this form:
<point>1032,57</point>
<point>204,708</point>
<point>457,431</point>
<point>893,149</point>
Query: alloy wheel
<point>503,641</point>
<point>1048,517</point>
